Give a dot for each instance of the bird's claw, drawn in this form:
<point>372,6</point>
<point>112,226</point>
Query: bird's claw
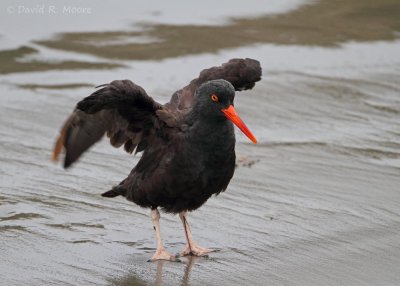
<point>196,250</point>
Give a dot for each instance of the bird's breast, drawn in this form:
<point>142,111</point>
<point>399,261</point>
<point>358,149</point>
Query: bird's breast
<point>210,153</point>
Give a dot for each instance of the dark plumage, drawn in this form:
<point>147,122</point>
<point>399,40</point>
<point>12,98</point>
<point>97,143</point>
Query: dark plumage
<point>188,144</point>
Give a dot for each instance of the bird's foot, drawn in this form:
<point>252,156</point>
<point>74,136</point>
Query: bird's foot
<point>196,250</point>
<point>162,254</point>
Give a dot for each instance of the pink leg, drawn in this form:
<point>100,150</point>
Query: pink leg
<point>191,248</point>
<point>161,253</point>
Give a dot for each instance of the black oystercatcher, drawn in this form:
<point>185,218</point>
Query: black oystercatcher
<point>188,144</point>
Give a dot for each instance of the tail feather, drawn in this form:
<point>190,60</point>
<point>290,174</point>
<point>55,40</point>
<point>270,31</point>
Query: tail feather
<point>60,143</point>
<point>115,192</point>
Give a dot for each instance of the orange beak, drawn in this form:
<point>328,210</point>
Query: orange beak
<point>232,115</point>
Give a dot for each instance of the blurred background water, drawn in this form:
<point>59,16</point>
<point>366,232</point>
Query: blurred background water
<point>316,202</point>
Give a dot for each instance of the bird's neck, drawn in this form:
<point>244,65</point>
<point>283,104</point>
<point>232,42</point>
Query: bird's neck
<point>212,133</point>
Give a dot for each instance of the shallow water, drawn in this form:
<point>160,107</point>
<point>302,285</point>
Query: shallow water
<point>319,205</point>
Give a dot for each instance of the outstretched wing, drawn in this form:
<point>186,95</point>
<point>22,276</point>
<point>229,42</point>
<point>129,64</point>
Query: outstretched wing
<point>121,109</point>
<point>241,73</point>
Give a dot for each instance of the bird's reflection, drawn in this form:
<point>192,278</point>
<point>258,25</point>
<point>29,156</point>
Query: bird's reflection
<point>190,261</point>
<point>186,264</point>
<point>188,270</point>
<point>159,280</point>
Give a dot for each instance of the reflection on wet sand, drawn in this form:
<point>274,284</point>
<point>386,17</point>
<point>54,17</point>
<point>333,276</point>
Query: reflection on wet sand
<point>133,279</point>
<point>186,273</point>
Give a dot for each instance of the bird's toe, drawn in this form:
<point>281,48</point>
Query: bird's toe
<point>162,254</point>
<point>196,250</point>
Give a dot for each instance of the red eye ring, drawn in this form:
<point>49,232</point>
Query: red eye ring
<point>214,98</point>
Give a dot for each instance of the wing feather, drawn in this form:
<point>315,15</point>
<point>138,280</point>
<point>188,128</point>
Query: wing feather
<point>121,109</point>
<point>241,73</point>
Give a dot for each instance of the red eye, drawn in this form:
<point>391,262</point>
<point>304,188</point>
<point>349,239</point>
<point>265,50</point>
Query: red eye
<point>214,98</point>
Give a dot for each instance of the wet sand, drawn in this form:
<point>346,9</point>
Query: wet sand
<point>319,206</point>
<point>326,23</point>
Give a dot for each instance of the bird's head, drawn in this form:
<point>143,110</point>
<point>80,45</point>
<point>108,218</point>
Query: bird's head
<point>215,101</point>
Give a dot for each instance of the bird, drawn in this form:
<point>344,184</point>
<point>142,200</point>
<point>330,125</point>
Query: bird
<point>187,144</point>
